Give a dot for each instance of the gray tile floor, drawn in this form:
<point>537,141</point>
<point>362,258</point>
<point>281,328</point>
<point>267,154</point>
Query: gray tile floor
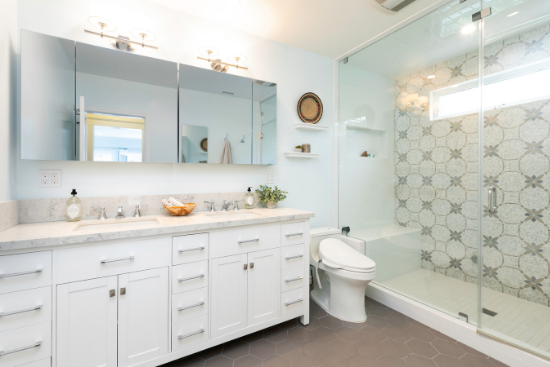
<point>387,339</point>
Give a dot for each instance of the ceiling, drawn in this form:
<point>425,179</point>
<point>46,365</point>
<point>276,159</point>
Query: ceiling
<point>326,27</point>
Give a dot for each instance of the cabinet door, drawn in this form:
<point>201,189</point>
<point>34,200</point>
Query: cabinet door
<point>87,323</point>
<point>263,286</point>
<point>143,316</point>
<point>229,294</point>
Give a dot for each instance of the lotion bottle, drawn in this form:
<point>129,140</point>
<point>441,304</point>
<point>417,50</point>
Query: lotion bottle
<point>249,199</point>
<point>74,208</point>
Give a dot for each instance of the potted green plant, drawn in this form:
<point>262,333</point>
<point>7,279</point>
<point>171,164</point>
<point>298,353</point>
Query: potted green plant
<point>270,195</point>
<point>298,148</point>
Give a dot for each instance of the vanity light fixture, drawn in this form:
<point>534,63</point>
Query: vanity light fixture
<point>121,42</point>
<point>218,64</point>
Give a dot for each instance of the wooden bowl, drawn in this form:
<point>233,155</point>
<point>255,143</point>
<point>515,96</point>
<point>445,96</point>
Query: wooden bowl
<point>181,210</point>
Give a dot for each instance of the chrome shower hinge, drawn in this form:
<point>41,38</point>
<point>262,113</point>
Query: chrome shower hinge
<point>481,14</point>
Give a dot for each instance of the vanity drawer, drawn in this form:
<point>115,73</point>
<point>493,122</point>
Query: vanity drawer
<point>25,345</point>
<point>25,271</point>
<point>189,332</point>
<point>292,256</point>
<point>292,300</point>
<point>187,277</point>
<point>25,308</point>
<point>188,249</point>
<point>189,304</point>
<point>292,278</point>
<point>111,258</point>
<point>293,233</point>
<point>46,362</point>
<point>242,240</point>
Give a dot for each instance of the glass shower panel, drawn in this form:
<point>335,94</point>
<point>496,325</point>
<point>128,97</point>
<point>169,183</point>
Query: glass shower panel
<point>408,157</point>
<point>515,293</point>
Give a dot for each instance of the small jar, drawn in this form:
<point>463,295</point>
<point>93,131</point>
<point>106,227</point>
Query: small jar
<point>306,148</point>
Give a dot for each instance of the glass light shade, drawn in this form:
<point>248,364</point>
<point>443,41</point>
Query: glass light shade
<point>237,58</point>
<point>137,33</point>
<point>208,52</point>
<point>98,21</point>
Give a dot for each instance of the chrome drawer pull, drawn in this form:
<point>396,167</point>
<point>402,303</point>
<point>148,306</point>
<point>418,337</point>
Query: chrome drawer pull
<point>180,337</point>
<point>293,280</point>
<point>192,249</point>
<point>294,257</point>
<point>294,234</point>
<point>21,273</point>
<point>115,260</point>
<point>192,306</point>
<point>193,277</point>
<point>37,344</point>
<point>254,240</point>
<point>293,302</point>
<point>36,308</point>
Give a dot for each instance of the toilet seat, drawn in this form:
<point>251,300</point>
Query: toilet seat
<point>337,254</point>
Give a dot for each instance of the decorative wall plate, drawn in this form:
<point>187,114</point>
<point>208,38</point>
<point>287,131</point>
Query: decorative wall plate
<point>310,108</point>
<point>204,144</point>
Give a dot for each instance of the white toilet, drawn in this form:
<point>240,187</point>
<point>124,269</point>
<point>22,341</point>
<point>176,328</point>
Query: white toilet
<point>344,274</point>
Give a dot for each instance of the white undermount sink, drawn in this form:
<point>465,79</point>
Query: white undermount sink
<point>118,224</point>
<point>233,215</point>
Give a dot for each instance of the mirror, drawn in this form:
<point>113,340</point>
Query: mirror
<point>47,97</point>
<point>264,112</point>
<point>194,144</point>
<point>221,104</point>
<point>127,107</point>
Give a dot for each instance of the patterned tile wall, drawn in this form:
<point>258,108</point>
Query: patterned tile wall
<point>436,169</point>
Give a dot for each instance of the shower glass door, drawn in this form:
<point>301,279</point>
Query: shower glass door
<point>515,274</point>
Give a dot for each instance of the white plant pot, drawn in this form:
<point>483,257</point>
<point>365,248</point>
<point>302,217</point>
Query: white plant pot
<point>271,204</point>
<point>298,150</point>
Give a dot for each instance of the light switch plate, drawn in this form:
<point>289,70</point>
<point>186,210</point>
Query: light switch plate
<point>269,177</point>
<point>49,178</point>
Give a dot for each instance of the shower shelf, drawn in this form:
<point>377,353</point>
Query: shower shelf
<point>305,126</point>
<point>300,155</point>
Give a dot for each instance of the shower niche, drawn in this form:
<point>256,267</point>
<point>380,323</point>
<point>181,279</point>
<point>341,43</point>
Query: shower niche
<point>363,139</point>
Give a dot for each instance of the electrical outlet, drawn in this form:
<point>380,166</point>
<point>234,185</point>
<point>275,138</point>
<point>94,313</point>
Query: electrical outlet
<point>49,178</point>
<point>269,177</point>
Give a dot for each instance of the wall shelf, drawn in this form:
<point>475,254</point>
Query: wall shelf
<point>365,128</point>
<point>314,127</point>
<point>301,155</point>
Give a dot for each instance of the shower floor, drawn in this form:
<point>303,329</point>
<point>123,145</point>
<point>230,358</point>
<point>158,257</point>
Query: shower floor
<point>516,318</point>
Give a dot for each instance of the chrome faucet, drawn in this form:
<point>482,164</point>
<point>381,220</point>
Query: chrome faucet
<point>137,210</point>
<point>212,207</point>
<point>120,213</point>
<point>225,205</point>
<point>101,210</point>
<point>235,205</point>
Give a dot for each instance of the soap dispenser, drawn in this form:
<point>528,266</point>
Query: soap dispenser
<point>74,208</point>
<point>249,199</point>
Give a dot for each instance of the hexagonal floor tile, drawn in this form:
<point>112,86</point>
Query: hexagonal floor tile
<point>263,349</point>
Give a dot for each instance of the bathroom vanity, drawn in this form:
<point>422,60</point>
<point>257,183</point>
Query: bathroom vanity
<point>146,292</point>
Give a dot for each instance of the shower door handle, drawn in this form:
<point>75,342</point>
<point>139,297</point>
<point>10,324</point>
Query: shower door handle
<point>492,204</point>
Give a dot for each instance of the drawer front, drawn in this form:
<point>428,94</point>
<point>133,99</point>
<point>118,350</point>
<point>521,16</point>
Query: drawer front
<point>294,255</point>
<point>26,345</point>
<point>111,258</point>
<point>25,271</point>
<point>293,233</point>
<point>189,249</point>
<point>25,308</point>
<point>46,362</point>
<point>190,332</point>
<point>189,305</point>
<point>292,278</point>
<point>292,300</point>
<point>187,277</point>
<point>242,240</point>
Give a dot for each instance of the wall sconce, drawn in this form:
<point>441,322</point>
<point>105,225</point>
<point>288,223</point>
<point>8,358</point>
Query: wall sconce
<point>218,64</point>
<point>414,101</point>
<point>121,42</point>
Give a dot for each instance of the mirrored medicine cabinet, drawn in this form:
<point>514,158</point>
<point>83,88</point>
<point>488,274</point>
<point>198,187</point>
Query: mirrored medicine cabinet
<point>87,103</point>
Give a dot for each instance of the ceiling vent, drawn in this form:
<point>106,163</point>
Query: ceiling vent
<point>394,5</point>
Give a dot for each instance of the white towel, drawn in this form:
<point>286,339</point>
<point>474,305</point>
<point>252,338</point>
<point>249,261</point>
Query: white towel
<point>226,153</point>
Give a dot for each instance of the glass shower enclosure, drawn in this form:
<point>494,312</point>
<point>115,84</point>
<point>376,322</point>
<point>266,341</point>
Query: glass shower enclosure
<point>444,163</point>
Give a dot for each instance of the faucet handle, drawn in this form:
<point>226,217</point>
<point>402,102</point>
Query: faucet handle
<point>211,202</point>
<point>235,205</point>
<point>101,210</point>
<point>120,213</point>
<point>137,211</point>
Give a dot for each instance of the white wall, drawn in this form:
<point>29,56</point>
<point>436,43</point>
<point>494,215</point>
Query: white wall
<point>179,36</point>
<point>366,190</point>
<point>8,62</point>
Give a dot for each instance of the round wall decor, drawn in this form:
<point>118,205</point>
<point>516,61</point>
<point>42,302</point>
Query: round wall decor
<point>310,108</point>
<point>204,144</point>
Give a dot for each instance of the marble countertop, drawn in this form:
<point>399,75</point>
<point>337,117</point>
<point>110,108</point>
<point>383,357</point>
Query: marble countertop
<point>37,235</point>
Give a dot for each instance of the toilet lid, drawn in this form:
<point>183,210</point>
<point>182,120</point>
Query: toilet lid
<point>338,253</point>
